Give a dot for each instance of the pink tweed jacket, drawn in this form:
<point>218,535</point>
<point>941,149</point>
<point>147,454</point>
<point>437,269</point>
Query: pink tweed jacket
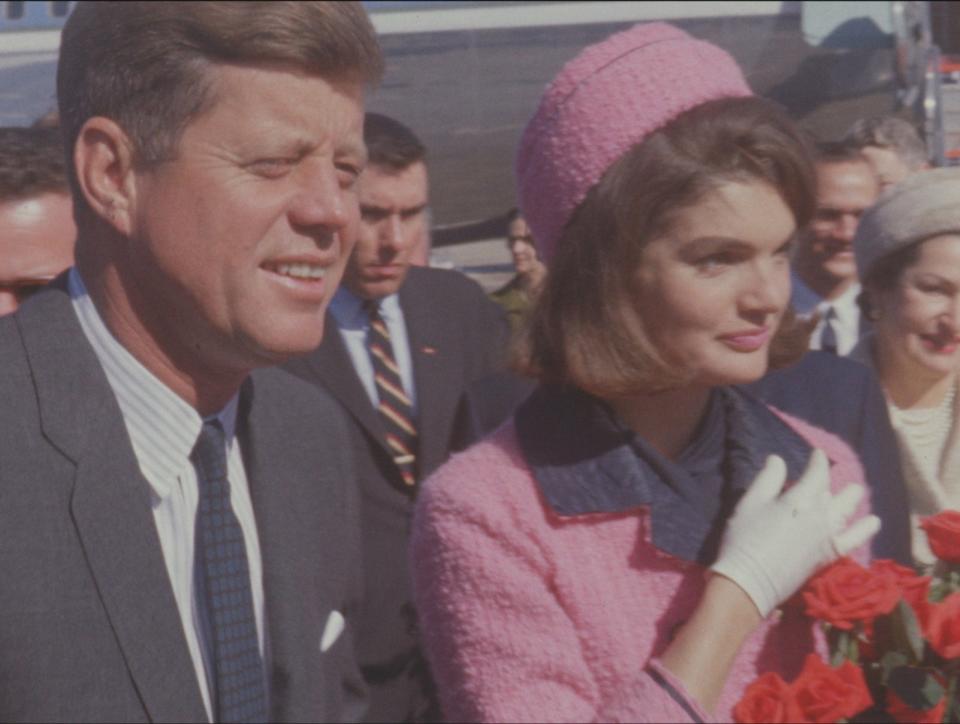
<point>527,615</point>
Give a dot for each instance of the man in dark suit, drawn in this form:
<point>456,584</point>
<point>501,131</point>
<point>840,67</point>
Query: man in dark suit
<point>410,341</point>
<point>825,284</point>
<point>180,536</point>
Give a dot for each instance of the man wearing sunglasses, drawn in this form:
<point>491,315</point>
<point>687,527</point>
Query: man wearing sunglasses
<point>37,232</point>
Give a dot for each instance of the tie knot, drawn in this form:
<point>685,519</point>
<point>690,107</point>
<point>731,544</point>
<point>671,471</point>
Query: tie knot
<point>372,308</point>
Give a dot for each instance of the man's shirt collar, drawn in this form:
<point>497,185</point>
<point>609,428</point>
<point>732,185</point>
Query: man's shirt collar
<point>163,427</point>
<point>350,312</point>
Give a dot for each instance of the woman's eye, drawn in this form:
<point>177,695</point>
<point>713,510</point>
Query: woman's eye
<point>714,262</point>
<point>933,286</point>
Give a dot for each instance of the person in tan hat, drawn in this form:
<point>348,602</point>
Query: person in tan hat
<point>616,550</point>
<point>908,253</point>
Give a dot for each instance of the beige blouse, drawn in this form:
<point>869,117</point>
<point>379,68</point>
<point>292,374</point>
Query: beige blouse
<point>929,444</point>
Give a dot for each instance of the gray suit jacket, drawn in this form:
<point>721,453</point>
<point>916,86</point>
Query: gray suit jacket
<point>89,628</point>
<point>456,335</point>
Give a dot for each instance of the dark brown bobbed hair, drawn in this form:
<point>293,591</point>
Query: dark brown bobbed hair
<point>144,64</point>
<point>585,329</point>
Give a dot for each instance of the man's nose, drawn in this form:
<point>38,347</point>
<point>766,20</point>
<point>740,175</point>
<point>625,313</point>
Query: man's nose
<point>847,226</point>
<point>392,232</point>
<point>322,200</point>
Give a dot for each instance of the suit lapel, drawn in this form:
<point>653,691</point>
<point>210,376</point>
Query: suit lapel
<point>434,374</point>
<point>290,549</point>
<point>111,509</point>
<point>331,364</point>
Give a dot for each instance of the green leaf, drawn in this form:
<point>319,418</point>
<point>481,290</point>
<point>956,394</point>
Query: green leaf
<point>837,658</point>
<point>899,631</point>
<point>917,688</point>
<point>890,661</point>
<point>837,642</point>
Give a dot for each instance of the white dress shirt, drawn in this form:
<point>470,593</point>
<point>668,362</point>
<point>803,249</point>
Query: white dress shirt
<point>846,321</point>
<point>163,430</point>
<point>354,324</point>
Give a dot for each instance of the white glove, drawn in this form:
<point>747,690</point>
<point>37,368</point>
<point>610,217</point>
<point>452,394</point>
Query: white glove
<point>773,543</point>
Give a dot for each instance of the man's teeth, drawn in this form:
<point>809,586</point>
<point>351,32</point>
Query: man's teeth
<point>300,271</point>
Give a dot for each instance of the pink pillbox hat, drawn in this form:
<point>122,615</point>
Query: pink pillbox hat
<point>603,102</point>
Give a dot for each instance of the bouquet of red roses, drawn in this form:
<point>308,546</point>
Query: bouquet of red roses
<point>894,639</point>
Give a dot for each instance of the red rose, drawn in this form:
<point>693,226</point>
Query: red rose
<point>913,588</point>
<point>825,694</point>
<point>902,712</point>
<point>943,534</point>
<point>942,626</point>
<point>846,593</point>
<point>768,699</point>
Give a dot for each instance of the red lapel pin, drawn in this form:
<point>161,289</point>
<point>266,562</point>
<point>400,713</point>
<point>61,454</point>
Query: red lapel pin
<point>429,350</point>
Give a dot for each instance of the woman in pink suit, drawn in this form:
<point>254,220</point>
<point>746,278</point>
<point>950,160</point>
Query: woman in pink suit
<point>619,550</point>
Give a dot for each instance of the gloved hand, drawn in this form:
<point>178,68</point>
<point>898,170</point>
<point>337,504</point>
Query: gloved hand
<point>773,543</point>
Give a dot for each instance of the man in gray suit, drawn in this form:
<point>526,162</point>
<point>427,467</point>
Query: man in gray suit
<point>405,342</point>
<point>179,533</point>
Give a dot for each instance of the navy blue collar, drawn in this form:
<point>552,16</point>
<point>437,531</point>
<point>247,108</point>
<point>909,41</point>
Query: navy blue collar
<point>585,461</point>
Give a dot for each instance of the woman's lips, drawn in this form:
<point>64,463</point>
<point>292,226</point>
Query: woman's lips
<point>747,340</point>
<point>939,344</point>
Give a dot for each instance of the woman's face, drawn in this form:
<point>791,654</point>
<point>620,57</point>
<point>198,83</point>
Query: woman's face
<point>520,243</point>
<point>917,323</point>
<point>713,289</point>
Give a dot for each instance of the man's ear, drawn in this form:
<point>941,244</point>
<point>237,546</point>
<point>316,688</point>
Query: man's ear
<point>104,159</point>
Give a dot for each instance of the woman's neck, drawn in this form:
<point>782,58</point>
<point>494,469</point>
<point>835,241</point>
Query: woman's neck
<point>908,388</point>
<point>665,420</point>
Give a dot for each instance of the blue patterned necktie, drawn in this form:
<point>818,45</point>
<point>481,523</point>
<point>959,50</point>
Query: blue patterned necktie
<point>828,335</point>
<point>239,689</point>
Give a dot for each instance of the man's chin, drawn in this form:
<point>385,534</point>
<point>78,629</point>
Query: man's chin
<point>379,286</point>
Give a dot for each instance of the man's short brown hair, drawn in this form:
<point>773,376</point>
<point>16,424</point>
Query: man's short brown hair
<point>31,163</point>
<point>585,329</point>
<point>390,143</point>
<point>143,64</point>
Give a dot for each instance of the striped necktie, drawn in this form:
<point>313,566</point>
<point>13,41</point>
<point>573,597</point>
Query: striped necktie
<point>238,690</point>
<point>395,408</point>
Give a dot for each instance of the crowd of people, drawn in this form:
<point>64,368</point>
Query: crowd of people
<point>266,464</point>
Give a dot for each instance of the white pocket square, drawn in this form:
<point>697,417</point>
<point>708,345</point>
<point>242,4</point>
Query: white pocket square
<point>332,631</point>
